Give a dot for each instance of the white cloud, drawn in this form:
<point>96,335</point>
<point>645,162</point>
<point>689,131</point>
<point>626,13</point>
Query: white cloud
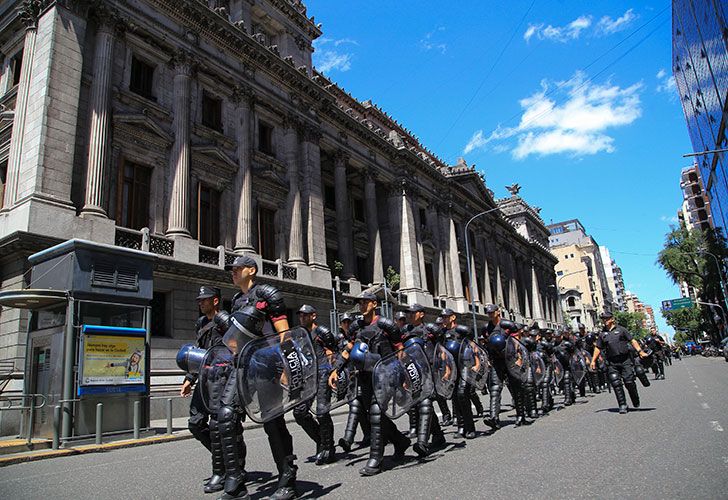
<point>576,126</point>
<point>328,57</point>
<point>578,27</point>
<point>665,218</point>
<point>666,84</point>
<point>562,34</point>
<point>430,41</point>
<point>609,26</point>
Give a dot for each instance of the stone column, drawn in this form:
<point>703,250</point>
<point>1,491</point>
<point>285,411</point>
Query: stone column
<point>243,97</point>
<point>5,79</point>
<point>487,293</point>
<point>536,294</point>
<point>21,108</point>
<point>420,249</point>
<point>295,236</point>
<point>446,286</point>
<point>457,280</point>
<point>343,215</point>
<point>315,226</point>
<point>375,244</point>
<point>409,267</point>
<point>99,143</point>
<point>179,217</point>
<point>473,272</point>
<point>436,225</point>
<point>498,284</point>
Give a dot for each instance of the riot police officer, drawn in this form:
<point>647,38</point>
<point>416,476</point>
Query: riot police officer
<point>456,335</point>
<point>321,431</point>
<point>257,309</point>
<point>657,344</point>
<point>374,338</point>
<point>209,329</point>
<point>415,332</point>
<point>496,344</point>
<point>615,341</point>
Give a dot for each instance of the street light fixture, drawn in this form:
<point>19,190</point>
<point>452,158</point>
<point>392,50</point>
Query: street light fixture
<point>703,153</point>
<point>470,276</point>
<point>718,268</point>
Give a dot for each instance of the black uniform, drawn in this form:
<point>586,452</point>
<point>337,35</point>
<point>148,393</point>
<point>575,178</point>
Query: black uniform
<point>615,345</point>
<point>461,398</point>
<point>208,333</point>
<point>266,301</point>
<point>546,348</point>
<point>320,429</point>
<point>656,343</point>
<point>498,376</point>
<point>380,338</point>
<point>563,352</point>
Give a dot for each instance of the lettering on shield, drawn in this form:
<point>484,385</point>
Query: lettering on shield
<point>414,375</point>
<point>295,374</point>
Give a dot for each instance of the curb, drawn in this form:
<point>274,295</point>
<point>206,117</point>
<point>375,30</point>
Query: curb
<point>32,456</point>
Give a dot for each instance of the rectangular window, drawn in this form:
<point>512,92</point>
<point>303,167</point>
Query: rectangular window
<point>211,111</point>
<point>559,273</point>
<point>159,315</point>
<point>208,215</point>
<point>266,233</point>
<point>142,75</point>
<point>430,277</point>
<point>330,258</point>
<point>133,204</point>
<point>357,205</point>
<point>423,218</point>
<point>329,197</point>
<point>265,138</point>
<point>3,180</point>
<point>16,67</point>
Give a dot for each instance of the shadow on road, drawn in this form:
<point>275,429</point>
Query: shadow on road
<point>616,410</point>
<point>305,489</point>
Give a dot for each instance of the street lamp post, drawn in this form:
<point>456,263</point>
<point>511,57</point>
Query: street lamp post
<point>721,311</point>
<point>470,276</point>
<point>720,273</point>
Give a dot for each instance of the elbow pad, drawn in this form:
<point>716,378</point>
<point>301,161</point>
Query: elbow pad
<point>270,300</point>
<point>390,328</point>
<point>463,332</point>
<point>325,337</point>
<point>222,321</point>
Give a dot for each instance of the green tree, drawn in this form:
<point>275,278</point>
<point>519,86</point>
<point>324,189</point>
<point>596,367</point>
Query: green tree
<point>685,259</point>
<point>689,322</point>
<point>632,321</point>
<point>392,278</point>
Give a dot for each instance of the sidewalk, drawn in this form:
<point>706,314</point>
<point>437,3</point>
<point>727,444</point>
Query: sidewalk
<point>157,433</point>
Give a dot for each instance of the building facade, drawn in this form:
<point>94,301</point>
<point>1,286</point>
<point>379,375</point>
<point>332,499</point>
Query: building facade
<point>198,131</point>
<point>695,209</point>
<point>615,282</point>
<point>700,67</point>
<point>580,274</point>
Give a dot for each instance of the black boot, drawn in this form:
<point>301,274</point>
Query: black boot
<point>413,418</point>
<point>475,399</point>
<point>426,412</point>
<point>217,479</point>
<point>621,400</point>
<point>376,446</point>
<point>232,450</point>
<point>327,454</point>
<point>634,395</point>
<point>304,418</point>
<point>495,403</point>
<point>286,480</point>
<point>355,413</point>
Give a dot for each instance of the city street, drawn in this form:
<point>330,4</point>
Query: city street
<point>675,446</point>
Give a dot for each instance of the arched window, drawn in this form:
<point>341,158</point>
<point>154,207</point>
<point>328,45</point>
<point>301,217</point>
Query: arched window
<point>571,301</point>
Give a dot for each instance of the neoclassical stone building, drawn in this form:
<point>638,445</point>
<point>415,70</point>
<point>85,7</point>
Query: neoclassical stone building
<point>198,130</point>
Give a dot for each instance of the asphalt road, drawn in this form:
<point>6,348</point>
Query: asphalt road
<point>675,446</point>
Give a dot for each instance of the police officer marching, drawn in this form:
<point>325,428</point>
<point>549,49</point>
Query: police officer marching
<point>615,341</point>
<point>209,329</point>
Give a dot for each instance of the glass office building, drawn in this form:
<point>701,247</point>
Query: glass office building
<point>700,67</point>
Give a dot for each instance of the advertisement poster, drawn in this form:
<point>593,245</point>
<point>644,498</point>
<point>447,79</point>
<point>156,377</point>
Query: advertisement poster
<point>113,360</point>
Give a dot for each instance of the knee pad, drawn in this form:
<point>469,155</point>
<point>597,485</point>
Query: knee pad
<point>225,414</point>
<point>614,379</point>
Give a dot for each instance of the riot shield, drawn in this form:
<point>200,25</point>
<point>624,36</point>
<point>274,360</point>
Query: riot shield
<point>474,364</point>
<point>539,368</point>
<point>587,361</point>
<point>558,371</point>
<point>444,371</point>
<point>329,399</point>
<point>578,367</point>
<point>517,360</point>
<point>276,373</point>
<point>401,380</point>
<point>216,367</point>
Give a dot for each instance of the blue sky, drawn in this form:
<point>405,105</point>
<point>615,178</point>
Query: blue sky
<point>572,100</point>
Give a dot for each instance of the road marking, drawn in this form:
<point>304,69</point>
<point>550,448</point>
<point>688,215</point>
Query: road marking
<point>705,406</point>
<point>700,394</point>
<point>717,428</point>
<point>696,386</point>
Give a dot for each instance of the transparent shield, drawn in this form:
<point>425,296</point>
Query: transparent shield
<point>517,360</point>
<point>578,367</point>
<point>277,373</point>
<point>475,364</point>
<point>401,380</point>
<point>588,360</point>
<point>445,371</point>
<point>329,399</point>
<point>216,367</point>
<point>539,368</point>
<point>558,371</point>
